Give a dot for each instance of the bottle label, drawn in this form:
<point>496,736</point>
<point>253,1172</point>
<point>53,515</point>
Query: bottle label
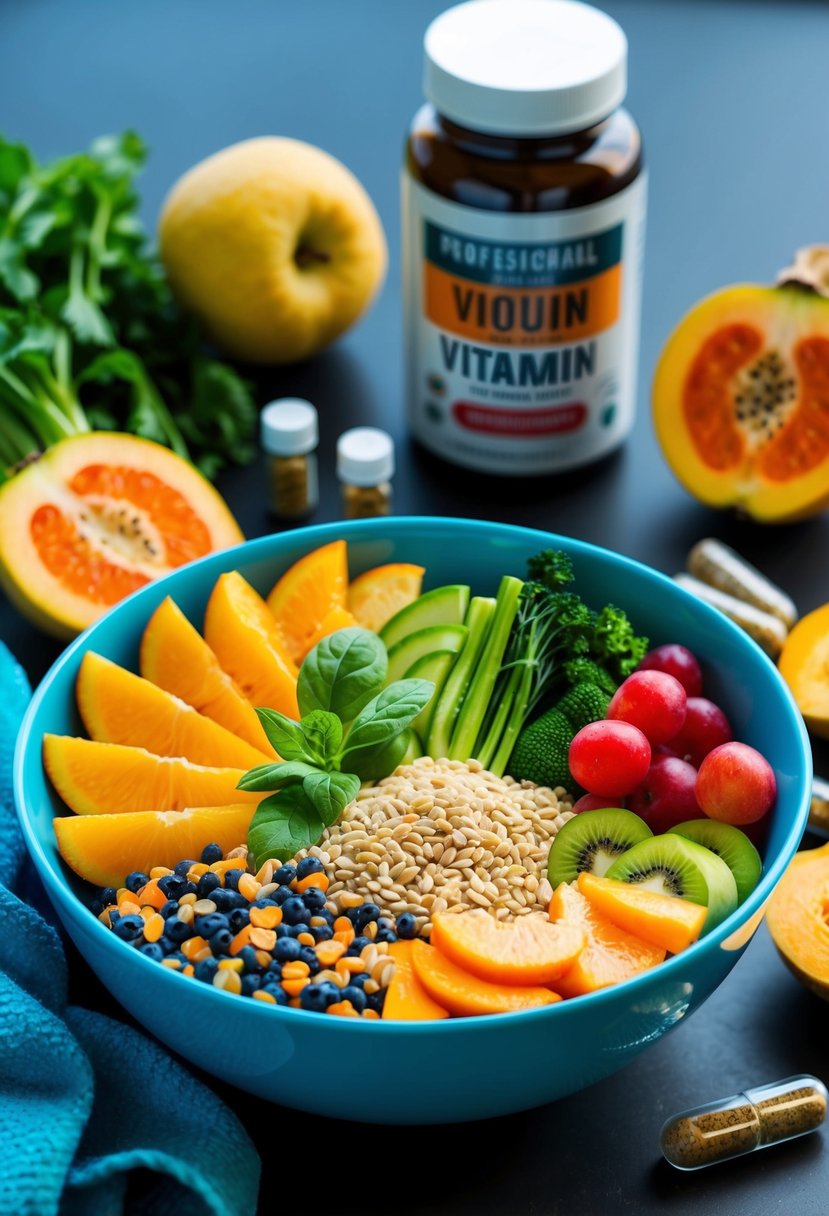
<point>522,330</point>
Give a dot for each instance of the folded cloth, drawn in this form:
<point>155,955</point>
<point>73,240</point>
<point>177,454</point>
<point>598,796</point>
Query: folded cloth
<point>95,1118</point>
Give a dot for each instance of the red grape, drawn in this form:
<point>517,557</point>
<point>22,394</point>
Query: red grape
<point>736,784</point>
<point>667,795</point>
<point>653,701</point>
<point>676,661</point>
<point>609,758</point>
<point>705,728</point>
<point>597,802</point>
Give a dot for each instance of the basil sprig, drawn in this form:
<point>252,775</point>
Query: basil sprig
<point>351,730</point>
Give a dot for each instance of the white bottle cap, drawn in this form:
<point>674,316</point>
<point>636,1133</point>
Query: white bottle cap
<point>288,427</point>
<point>365,456</point>
<point>525,67</point>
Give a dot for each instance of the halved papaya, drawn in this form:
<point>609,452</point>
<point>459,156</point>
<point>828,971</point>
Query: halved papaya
<point>797,917</point>
<point>741,401</point>
<point>97,517</point>
<point>804,665</point>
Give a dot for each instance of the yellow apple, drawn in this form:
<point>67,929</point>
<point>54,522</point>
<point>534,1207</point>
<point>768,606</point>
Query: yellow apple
<point>275,246</point>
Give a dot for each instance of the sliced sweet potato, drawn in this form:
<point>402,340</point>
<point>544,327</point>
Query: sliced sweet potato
<point>526,950</point>
<point>464,994</point>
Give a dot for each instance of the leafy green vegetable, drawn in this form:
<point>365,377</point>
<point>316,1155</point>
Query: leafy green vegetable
<point>340,682</point>
<point>90,337</point>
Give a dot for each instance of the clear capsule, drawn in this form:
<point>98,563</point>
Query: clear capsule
<point>732,1127</point>
<point>720,566</point>
<point>768,631</point>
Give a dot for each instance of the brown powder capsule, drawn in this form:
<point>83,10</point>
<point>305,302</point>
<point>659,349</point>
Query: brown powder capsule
<point>732,1127</point>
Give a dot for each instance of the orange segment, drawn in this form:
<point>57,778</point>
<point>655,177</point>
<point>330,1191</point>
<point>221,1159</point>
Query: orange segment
<point>104,848</point>
<point>463,994</point>
<point>107,779</point>
<point>406,998</point>
<point>306,593</point>
<point>176,657</point>
<point>118,706</point>
<point>610,955</point>
<point>243,635</point>
<point>375,596</point>
<point>337,618</point>
<point>662,920</point>
<point>527,950</point>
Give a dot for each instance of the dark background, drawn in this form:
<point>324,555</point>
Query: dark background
<point>731,96</point>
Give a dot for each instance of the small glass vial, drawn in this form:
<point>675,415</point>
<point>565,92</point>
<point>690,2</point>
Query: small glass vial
<point>365,466</point>
<point>732,1127</point>
<point>289,435</point>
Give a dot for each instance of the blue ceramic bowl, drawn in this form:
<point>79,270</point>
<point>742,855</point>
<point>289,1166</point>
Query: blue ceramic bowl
<point>452,1070</point>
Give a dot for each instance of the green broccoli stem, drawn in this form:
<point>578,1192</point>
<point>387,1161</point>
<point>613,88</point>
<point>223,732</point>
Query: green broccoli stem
<point>479,693</point>
<point>478,616</point>
<point>517,718</point>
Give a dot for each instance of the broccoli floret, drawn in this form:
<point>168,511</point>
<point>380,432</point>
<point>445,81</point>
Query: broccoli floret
<point>584,703</point>
<point>540,752</point>
<point>614,644</point>
<point>586,671</point>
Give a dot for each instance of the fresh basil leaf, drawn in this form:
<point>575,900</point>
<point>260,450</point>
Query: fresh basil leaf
<point>323,733</point>
<point>285,736</point>
<point>330,793</point>
<point>371,763</point>
<point>267,777</point>
<point>388,714</point>
<point>342,673</point>
<point>282,825</point>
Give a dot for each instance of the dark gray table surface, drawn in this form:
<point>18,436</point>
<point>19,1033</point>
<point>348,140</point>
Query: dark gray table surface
<point>732,99</point>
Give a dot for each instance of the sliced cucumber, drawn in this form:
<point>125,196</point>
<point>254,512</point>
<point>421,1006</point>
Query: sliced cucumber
<point>434,667</point>
<point>421,643</point>
<point>441,606</point>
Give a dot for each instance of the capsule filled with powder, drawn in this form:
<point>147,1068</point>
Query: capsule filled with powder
<point>732,1127</point>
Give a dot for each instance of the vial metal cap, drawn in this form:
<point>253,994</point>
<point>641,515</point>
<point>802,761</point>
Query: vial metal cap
<point>289,427</point>
<point>365,456</point>
<point>525,67</point>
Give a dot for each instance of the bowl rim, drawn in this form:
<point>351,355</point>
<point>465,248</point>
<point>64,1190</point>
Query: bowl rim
<point>316,534</point>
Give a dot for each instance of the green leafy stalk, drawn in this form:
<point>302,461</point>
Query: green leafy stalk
<point>478,618</point>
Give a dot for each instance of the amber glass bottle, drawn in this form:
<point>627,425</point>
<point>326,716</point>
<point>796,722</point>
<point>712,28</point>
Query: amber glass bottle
<point>523,213</point>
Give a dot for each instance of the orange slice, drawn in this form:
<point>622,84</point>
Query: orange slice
<point>118,706</point>
<point>464,994</point>
<point>610,955</point>
<point>243,635</point>
<point>375,596</point>
<point>406,998</point>
<point>526,950</point>
<point>108,779</point>
<point>103,849</point>
<point>176,657</point>
<point>307,593</point>
<point>662,920</point>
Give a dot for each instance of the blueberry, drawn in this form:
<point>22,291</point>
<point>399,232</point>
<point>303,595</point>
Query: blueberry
<point>211,853</point>
<point>358,945</point>
<point>294,910</point>
<point>179,958</point>
<point>182,868</point>
<point>250,983</point>
<point>152,950</point>
<point>232,879</point>
<point>129,927</point>
<point>385,935</point>
<point>281,894</point>
<point>358,980</point>
<point>206,969</point>
<point>364,915</point>
<point>308,865</point>
<point>238,918</point>
<point>178,930</point>
<point>356,995</point>
<point>314,997</point>
<point>248,956</point>
<point>169,908</point>
<point>314,899</point>
<point>285,875</point>
<point>322,933</point>
<point>225,900</point>
<point>385,922</point>
<point>207,884</point>
<point>173,886</point>
<point>301,927</point>
<point>107,895</point>
<point>136,880</point>
<point>375,1001</point>
<point>307,955</point>
<point>286,950</point>
<point>283,931</point>
<point>220,942</point>
<point>212,923</point>
<point>273,973</point>
<point>406,926</point>
<point>263,903</point>
<point>278,993</point>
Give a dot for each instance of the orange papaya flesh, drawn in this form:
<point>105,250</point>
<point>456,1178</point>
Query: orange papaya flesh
<point>804,665</point>
<point>797,917</point>
<point>741,401</point>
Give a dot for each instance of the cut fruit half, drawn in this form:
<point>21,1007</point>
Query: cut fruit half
<point>732,845</point>
<point>672,865</point>
<point>306,594</point>
<point>176,657</point>
<point>662,920</point>
<point>117,706</point>
<point>464,994</point>
<point>103,849</point>
<point>95,518</point>
<point>526,950</point>
<point>804,665</point>
<point>797,917</point>
<point>109,779</point>
<point>375,596</point>
<point>406,998</point>
<point>593,841</point>
<point>242,633</point>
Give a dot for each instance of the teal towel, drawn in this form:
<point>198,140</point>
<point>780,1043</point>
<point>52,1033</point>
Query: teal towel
<point>95,1119</point>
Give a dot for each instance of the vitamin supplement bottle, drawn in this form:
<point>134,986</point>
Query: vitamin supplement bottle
<point>365,467</point>
<point>289,437</point>
<point>523,232</point>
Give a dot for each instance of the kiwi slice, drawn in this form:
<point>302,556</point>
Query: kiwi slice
<point>592,841</point>
<point>673,865</point>
<point>728,842</point>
